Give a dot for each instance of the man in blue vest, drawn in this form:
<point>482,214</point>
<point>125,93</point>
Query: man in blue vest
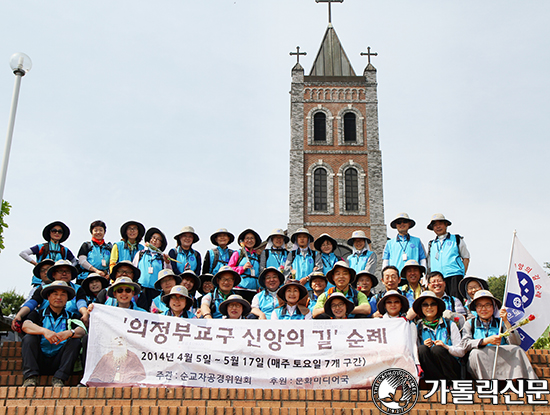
<point>403,247</point>
<point>52,341</point>
<point>266,300</point>
<point>447,254</point>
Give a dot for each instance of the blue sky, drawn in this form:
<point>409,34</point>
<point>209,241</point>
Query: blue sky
<point>177,113</point>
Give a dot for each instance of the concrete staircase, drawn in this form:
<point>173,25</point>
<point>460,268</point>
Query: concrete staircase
<point>74,400</point>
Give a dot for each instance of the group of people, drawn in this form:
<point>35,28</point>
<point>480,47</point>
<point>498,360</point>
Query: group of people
<point>448,314</point>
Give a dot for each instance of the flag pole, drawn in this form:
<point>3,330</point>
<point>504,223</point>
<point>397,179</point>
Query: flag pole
<point>504,298</point>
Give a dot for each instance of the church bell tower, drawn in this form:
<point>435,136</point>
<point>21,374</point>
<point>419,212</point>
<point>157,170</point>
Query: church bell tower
<point>335,158</point>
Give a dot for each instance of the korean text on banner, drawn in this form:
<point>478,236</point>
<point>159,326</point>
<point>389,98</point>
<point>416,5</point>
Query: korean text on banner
<point>129,347</point>
<point>528,293</point>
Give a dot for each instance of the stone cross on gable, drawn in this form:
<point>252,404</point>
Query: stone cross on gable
<point>329,9</point>
<point>298,53</point>
<point>368,53</point>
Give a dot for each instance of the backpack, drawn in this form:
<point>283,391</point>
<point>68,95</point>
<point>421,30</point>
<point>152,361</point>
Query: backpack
<point>216,259</point>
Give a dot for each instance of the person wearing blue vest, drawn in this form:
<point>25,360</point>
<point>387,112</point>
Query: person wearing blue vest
<point>275,253</point>
<point>393,304</point>
<point>467,288</point>
<point>337,307</point>
<point>390,280</point>
<point>342,276</point>
<point>447,253</point>
<point>125,250</point>
<point>51,343</point>
<point>364,282</point>
<point>55,234</point>
<point>150,261</point>
<point>326,245</point>
<point>121,294</point>
<point>184,255</point>
<point>266,300</point>
<point>223,281</point>
<point>412,272</point>
<point>454,307</point>
<point>41,271</point>
<point>192,282</point>
<point>95,255</point>
<point>403,247</point>
<point>62,270</point>
<point>246,262</point>
<point>290,296</point>
<point>482,333</point>
<point>165,281</point>
<point>438,339</point>
<point>218,256</point>
<point>361,259</point>
<point>178,303</point>
<point>302,260</point>
<point>235,307</point>
<point>206,286</point>
<point>318,282</point>
<point>88,292</point>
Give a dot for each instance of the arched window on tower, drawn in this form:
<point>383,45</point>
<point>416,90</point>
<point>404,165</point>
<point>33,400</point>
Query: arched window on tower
<point>350,132</point>
<point>320,189</point>
<point>351,190</point>
<point>319,127</point>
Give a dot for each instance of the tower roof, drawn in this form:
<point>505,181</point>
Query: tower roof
<point>331,59</point>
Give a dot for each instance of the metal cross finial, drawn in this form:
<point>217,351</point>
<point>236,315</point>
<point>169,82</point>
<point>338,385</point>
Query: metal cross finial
<point>329,9</point>
<point>368,53</point>
<point>298,53</point>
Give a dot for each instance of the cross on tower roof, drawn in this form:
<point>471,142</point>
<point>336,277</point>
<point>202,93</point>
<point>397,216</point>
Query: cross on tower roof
<point>368,53</point>
<point>329,9</point>
<point>298,53</point>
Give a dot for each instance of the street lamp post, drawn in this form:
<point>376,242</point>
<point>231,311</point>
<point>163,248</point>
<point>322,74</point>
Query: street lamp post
<point>20,65</point>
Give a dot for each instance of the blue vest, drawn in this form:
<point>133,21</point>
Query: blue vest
<point>449,301</point>
<point>328,262</point>
<point>96,256</point>
<point>125,253</point>
<point>187,260</point>
<point>480,332</point>
<point>248,282</point>
<point>373,305</point>
<point>276,258</point>
<point>56,252</point>
<point>160,305</point>
<point>58,325</point>
<point>149,259</point>
<point>441,332</point>
<point>303,264</point>
<point>217,299</point>
<point>395,248</point>
<point>71,306</point>
<point>267,303</point>
<point>445,257</point>
<point>224,255</point>
<point>359,262</point>
<point>283,314</point>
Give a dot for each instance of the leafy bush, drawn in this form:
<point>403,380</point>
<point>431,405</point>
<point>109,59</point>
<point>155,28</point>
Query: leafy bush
<point>11,302</point>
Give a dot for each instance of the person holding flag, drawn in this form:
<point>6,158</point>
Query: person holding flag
<point>480,334</point>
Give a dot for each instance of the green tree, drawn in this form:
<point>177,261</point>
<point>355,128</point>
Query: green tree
<point>5,211</point>
<point>11,302</point>
<point>497,286</point>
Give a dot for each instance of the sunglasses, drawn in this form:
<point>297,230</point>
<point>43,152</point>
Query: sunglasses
<point>56,231</point>
<point>401,221</point>
<point>427,305</point>
<point>124,290</point>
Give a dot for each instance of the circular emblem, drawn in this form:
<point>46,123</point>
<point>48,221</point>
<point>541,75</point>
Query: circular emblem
<point>192,259</point>
<point>517,302</point>
<point>395,391</point>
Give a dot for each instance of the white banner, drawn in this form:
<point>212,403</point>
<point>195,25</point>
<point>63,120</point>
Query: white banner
<point>528,293</point>
<point>129,347</point>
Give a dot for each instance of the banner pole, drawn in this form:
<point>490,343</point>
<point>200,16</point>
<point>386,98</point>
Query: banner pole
<point>504,301</point>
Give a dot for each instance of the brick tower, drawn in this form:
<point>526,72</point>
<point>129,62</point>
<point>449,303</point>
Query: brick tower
<point>335,158</point>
